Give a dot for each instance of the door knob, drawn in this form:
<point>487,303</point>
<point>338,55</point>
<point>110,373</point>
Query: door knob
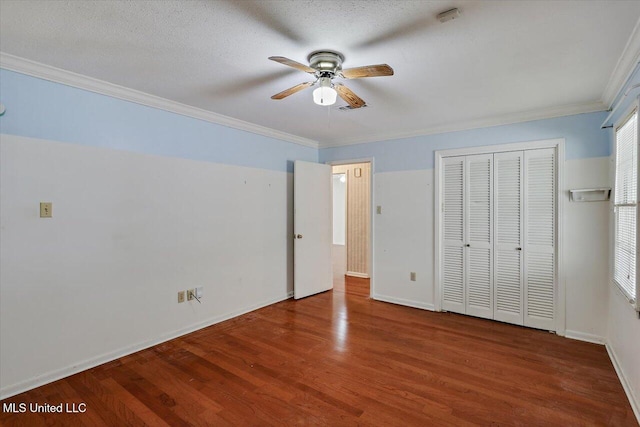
<point>297,236</point>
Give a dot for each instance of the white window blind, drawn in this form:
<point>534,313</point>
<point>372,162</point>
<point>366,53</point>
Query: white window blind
<point>626,205</point>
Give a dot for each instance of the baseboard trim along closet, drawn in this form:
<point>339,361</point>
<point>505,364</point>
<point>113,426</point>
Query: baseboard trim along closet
<point>405,302</point>
<point>32,383</point>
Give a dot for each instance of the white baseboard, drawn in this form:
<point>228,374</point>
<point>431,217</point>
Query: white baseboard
<point>405,302</point>
<point>58,374</point>
<point>635,404</point>
<point>582,336</point>
<point>356,274</point>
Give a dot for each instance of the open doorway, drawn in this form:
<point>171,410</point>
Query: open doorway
<point>351,253</point>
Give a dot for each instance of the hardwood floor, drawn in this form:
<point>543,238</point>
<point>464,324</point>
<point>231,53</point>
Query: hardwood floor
<point>339,358</point>
<point>356,286</point>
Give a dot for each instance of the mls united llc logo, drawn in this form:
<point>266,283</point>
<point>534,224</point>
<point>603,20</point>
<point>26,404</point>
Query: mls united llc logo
<point>66,408</point>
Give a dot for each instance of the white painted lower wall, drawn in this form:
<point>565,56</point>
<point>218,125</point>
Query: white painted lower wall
<point>404,242</point>
<point>586,252</point>
<point>403,236</point>
<point>100,278</point>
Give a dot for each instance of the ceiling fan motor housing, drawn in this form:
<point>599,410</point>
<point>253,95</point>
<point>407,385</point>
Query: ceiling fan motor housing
<point>328,63</point>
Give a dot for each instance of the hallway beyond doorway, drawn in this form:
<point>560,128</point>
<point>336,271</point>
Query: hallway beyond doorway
<point>351,285</point>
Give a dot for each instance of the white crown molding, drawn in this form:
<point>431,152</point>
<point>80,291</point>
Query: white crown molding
<point>47,72</point>
<point>506,119</point>
<point>625,66</point>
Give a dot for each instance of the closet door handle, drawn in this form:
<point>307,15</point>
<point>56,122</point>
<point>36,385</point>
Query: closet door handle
<point>468,245</point>
<point>518,249</point>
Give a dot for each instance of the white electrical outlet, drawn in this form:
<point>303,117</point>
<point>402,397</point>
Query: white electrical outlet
<point>412,276</point>
<point>190,294</point>
<point>199,292</point>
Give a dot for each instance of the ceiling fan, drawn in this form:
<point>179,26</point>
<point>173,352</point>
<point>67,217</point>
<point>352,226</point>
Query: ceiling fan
<point>326,65</point>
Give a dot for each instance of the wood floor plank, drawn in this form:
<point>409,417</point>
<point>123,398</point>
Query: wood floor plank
<point>159,402</point>
<point>108,399</point>
<point>146,414</point>
<point>340,358</point>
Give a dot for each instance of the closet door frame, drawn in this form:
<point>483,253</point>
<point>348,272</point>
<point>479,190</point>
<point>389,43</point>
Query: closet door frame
<point>558,144</point>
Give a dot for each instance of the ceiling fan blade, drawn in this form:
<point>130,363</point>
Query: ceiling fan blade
<point>347,94</point>
<point>292,63</point>
<point>292,90</point>
<point>367,71</point>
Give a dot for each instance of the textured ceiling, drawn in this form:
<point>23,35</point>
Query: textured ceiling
<point>499,58</point>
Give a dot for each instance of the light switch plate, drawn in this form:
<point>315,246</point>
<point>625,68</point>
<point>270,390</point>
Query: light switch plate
<point>46,209</point>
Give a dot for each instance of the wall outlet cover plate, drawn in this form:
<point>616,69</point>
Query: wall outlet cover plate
<point>46,209</point>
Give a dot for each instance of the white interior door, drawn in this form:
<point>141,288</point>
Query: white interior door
<point>453,235</point>
<point>508,237</point>
<point>479,235</point>
<point>540,238</point>
<point>312,217</point>
<point>499,234</point>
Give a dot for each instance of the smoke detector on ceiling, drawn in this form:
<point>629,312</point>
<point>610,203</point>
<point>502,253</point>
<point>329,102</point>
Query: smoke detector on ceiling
<point>449,15</point>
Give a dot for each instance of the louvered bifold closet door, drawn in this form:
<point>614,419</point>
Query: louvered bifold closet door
<point>453,277</point>
<point>479,237</point>
<point>540,238</point>
<point>508,237</point>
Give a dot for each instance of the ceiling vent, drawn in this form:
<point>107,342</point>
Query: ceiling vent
<point>449,15</point>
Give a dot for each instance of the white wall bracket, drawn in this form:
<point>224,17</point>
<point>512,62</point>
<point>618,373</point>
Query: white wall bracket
<point>590,194</point>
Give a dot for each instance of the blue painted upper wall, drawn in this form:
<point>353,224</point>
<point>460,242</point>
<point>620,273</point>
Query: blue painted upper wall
<point>42,109</point>
<point>582,133</point>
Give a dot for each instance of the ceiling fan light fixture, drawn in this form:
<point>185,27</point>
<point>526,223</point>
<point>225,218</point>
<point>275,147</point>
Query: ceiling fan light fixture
<point>325,94</point>
<point>325,65</point>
